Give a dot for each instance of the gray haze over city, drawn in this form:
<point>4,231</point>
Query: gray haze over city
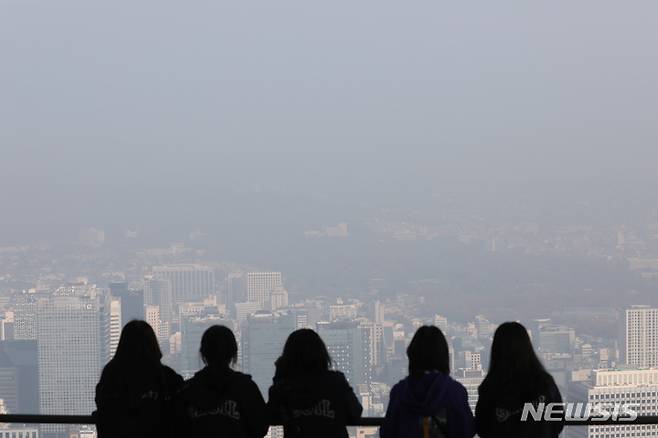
<point>397,164</point>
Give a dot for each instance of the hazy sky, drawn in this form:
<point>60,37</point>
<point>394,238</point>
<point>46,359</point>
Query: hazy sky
<point>119,100</point>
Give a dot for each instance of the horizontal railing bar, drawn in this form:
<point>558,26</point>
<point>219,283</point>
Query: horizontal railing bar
<point>46,419</point>
<point>364,421</point>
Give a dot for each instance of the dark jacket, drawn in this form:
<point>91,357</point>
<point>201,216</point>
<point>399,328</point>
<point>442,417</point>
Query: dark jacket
<point>499,408</point>
<point>314,405</point>
<point>136,401</point>
<point>427,395</point>
<point>220,402</point>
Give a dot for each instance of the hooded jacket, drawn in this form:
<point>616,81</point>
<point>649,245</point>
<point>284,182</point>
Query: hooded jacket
<point>314,405</point>
<point>221,402</point>
<point>499,408</point>
<point>136,402</point>
<point>424,396</point>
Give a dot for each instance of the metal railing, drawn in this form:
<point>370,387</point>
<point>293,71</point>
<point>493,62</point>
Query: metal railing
<point>364,421</point>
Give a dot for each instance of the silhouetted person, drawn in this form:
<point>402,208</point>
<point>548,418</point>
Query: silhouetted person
<point>428,402</point>
<point>307,397</point>
<point>134,394</point>
<point>218,401</point>
<point>516,376</point>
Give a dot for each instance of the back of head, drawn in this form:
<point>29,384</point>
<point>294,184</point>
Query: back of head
<point>138,345</point>
<point>513,356</point>
<point>304,353</point>
<point>218,347</point>
<point>428,351</point>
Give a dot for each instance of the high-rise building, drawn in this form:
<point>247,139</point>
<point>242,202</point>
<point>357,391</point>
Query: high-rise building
<point>348,344</point>
<point>260,285</point>
<point>263,337</point>
<point>637,387</point>
<point>556,339</point>
<point>642,336</point>
<point>189,283</point>
<point>376,337</point>
<point>471,379</point>
<point>236,289</point>
<point>73,333</point>
<point>442,323</point>
<point>7,326</point>
<point>152,317</point>
<point>279,299</point>
<point>19,376</point>
<point>25,313</point>
<point>158,292</point>
<point>115,324</point>
<point>342,312</point>
<point>485,329</point>
<point>379,311</point>
<point>132,301</point>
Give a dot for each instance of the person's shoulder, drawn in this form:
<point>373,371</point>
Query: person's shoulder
<point>335,379</point>
<point>335,375</point>
<point>171,375</point>
<point>241,377</point>
<point>110,371</point>
<point>454,383</point>
<point>400,385</point>
<point>454,387</point>
<point>551,387</point>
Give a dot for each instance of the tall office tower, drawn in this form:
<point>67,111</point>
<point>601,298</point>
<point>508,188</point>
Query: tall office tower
<point>342,312</point>
<point>152,317</point>
<point>132,301</point>
<point>376,337</point>
<point>189,283</point>
<point>19,376</point>
<point>158,292</point>
<point>236,289</point>
<point>468,360</point>
<point>7,326</point>
<point>441,322</point>
<point>379,311</point>
<point>192,329</point>
<point>349,346</point>
<point>471,379</point>
<point>73,333</point>
<point>25,313</point>
<point>642,336</point>
<point>537,325</point>
<point>556,339</point>
<point>638,387</point>
<point>279,299</point>
<point>260,285</point>
<point>115,324</point>
<point>263,337</point>
<point>485,329</point>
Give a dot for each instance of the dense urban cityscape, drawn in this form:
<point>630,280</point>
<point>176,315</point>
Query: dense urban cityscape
<point>63,307</point>
<point>442,215</point>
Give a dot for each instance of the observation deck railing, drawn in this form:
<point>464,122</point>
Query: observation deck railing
<point>364,421</point>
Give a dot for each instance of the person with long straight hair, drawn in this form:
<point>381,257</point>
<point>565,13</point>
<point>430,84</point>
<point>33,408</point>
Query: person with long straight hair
<point>428,402</point>
<point>135,391</point>
<point>516,377</point>
<point>307,397</point>
<point>218,401</point>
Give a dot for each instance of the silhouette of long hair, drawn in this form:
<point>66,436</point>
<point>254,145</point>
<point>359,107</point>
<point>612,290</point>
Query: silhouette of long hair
<point>303,353</point>
<point>138,345</point>
<point>513,357</point>
<point>218,347</point>
<point>428,351</point>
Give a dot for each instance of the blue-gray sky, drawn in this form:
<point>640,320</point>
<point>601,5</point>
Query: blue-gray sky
<point>108,101</point>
